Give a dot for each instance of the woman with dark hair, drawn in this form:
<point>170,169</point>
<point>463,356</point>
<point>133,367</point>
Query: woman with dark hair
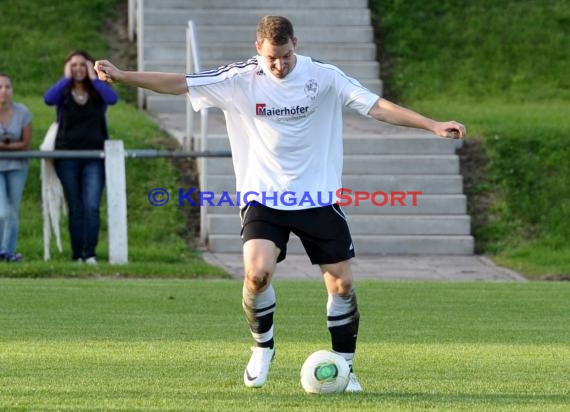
<point>15,134</point>
<point>81,101</point>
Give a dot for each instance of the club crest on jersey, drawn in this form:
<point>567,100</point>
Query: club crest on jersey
<point>311,89</point>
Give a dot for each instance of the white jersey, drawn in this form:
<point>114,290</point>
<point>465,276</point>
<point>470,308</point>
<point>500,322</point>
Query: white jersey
<point>285,134</point>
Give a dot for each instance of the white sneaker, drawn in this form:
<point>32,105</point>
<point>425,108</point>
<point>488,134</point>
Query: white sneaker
<point>353,384</point>
<point>257,368</point>
<point>91,260</point>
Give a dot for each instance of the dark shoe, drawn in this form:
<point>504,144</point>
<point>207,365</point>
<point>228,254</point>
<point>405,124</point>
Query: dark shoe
<point>13,257</point>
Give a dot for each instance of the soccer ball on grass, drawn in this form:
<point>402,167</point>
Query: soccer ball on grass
<point>324,372</point>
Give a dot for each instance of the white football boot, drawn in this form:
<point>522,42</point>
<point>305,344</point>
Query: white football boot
<point>353,384</point>
<point>257,368</point>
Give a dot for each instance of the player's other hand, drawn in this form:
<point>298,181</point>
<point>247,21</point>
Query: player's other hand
<point>450,130</point>
<point>107,71</point>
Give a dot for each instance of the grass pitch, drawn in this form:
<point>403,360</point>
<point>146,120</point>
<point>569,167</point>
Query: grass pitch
<point>182,345</point>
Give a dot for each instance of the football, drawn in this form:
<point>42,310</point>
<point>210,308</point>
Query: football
<point>324,372</point>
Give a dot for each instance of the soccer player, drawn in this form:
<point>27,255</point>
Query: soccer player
<point>283,114</point>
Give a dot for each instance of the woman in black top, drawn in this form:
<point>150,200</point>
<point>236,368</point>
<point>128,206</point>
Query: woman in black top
<point>81,101</point>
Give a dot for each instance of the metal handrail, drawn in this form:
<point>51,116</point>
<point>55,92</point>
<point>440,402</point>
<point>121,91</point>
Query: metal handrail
<point>140,47</point>
<point>193,66</point>
<point>191,63</point>
<point>132,18</point>
<point>113,155</point>
<point>100,154</point>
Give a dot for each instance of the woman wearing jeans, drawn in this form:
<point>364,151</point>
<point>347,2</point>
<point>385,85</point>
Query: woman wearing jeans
<point>81,100</point>
<point>15,134</point>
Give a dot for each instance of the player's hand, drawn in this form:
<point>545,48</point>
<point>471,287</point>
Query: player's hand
<point>107,71</point>
<point>450,130</point>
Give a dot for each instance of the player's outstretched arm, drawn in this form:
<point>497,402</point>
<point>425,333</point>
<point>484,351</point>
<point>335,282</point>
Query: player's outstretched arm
<point>167,83</point>
<point>389,112</point>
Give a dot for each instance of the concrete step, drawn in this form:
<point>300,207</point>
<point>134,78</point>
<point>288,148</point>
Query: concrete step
<point>375,165</point>
<point>371,225</point>
<point>427,184</point>
<point>398,145</point>
<point>239,16</point>
<point>366,144</point>
<point>239,51</point>
<point>256,4</point>
<point>361,135</point>
<point>376,245</point>
<point>246,34</point>
<point>165,103</point>
<point>425,205</point>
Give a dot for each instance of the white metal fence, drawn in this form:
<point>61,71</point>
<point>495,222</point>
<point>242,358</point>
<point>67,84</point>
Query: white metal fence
<point>114,154</point>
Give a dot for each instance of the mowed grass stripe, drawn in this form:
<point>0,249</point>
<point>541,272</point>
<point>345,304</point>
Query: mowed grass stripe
<point>177,375</point>
<point>182,345</point>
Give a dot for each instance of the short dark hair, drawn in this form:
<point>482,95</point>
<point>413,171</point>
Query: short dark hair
<point>277,29</point>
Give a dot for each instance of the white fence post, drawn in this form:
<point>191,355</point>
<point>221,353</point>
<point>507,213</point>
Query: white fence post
<point>116,201</point>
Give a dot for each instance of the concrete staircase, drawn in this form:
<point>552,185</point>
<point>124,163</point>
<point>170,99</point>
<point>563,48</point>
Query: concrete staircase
<point>399,159</point>
<point>333,31</point>
<point>378,157</point>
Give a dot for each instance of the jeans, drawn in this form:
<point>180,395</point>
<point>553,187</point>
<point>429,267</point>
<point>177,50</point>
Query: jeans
<point>12,184</point>
<point>83,181</point>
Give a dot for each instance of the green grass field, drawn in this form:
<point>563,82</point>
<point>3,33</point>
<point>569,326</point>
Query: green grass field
<point>113,344</point>
<point>182,345</point>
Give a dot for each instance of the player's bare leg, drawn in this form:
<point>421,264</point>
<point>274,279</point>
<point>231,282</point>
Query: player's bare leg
<point>260,259</point>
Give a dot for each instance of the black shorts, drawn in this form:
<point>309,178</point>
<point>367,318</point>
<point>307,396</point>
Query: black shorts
<point>323,230</point>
